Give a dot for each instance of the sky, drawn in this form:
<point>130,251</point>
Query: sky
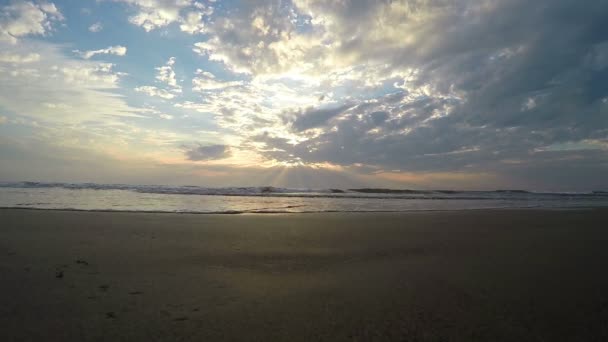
<point>424,94</point>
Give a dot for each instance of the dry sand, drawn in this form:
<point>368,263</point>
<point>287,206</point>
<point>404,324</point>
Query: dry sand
<point>507,275</point>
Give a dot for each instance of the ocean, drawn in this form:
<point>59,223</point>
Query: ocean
<point>235,200</point>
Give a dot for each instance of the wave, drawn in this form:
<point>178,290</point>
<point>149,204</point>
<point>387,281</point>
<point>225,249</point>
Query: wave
<point>279,211</point>
<point>270,191</point>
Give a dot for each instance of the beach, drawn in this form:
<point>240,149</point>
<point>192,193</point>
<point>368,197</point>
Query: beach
<point>471,275</point>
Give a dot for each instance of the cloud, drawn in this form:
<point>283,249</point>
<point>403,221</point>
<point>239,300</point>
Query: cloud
<point>193,23</point>
<point>23,18</point>
<point>497,88</point>
<point>206,81</point>
<point>69,106</point>
<point>258,37</point>
<point>153,14</point>
<point>435,86</point>
<point>39,81</point>
<point>154,91</point>
<point>18,58</point>
<point>316,117</point>
<point>208,152</point>
<point>165,74</point>
<point>96,27</point>
<point>116,50</point>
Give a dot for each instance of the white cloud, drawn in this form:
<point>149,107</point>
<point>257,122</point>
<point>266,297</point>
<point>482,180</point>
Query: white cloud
<point>166,74</point>
<point>258,40</point>
<point>96,27</point>
<point>529,104</point>
<point>74,107</point>
<point>156,92</point>
<point>117,50</point>
<point>22,18</point>
<point>153,14</point>
<point>206,81</point>
<point>18,58</point>
<point>193,23</point>
<point>57,88</point>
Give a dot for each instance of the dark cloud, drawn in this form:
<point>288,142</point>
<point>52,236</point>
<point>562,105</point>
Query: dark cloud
<point>378,117</point>
<point>207,152</point>
<point>433,85</point>
<point>503,82</point>
<point>316,117</point>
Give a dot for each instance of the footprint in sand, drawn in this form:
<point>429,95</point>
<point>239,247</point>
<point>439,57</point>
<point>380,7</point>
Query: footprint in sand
<point>82,262</point>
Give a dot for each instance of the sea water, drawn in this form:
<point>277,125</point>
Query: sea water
<point>194,199</point>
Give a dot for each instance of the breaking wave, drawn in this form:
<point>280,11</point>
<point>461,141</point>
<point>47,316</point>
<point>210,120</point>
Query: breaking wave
<point>270,191</point>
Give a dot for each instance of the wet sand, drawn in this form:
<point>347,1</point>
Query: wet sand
<point>510,275</point>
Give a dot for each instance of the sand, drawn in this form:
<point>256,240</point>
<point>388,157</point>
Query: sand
<point>510,275</point>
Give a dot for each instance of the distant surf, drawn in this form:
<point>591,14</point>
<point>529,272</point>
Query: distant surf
<point>303,192</point>
<point>269,199</point>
